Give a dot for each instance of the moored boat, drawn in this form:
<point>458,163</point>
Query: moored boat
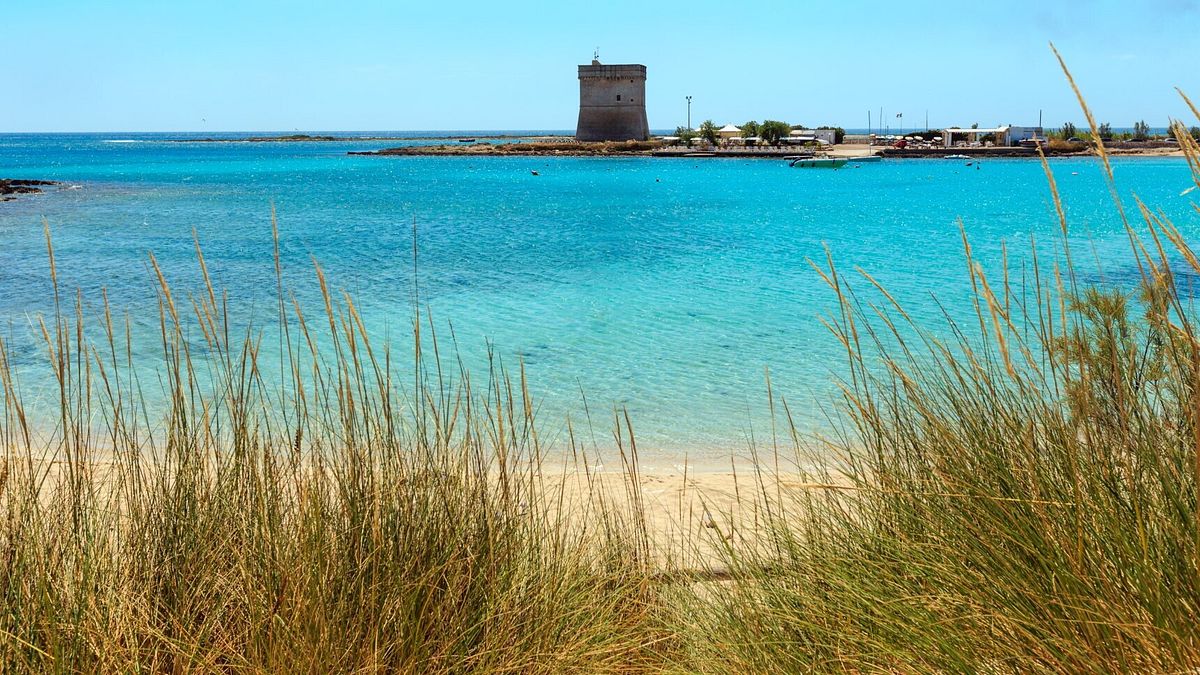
<point>818,162</point>
<point>865,159</point>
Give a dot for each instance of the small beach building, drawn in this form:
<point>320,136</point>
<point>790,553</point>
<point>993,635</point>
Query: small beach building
<point>1018,134</point>
<point>1006,136</point>
<point>729,131</point>
<point>956,137</point>
<point>822,136</point>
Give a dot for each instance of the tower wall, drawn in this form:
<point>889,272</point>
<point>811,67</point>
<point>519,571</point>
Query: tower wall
<point>612,103</point>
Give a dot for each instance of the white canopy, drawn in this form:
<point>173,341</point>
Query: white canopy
<point>997,130</point>
<point>730,128</point>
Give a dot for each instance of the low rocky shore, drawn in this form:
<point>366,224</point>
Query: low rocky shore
<point>535,148</point>
<point>306,138</point>
<point>570,148</point>
<point>294,138</point>
<point>16,186</point>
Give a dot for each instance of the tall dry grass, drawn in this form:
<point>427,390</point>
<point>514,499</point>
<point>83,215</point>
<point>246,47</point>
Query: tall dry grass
<point>1013,494</point>
<point>334,521</point>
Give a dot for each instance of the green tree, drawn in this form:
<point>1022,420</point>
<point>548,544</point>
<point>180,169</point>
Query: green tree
<point>771,131</point>
<point>686,135</point>
<point>710,132</point>
<point>1195,132</point>
<point>1068,131</point>
<point>1105,131</point>
<point>1141,130</point>
<point>749,129</point>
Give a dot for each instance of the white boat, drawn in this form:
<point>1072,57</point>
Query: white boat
<point>865,159</point>
<point>957,157</point>
<point>818,162</point>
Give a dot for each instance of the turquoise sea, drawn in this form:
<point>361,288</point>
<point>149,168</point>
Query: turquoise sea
<point>666,286</point>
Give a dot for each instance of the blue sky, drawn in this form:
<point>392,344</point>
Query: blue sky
<point>156,65</point>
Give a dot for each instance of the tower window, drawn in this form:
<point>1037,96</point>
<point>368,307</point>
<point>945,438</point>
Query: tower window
<point>618,97</point>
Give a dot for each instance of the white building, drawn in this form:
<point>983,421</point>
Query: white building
<point>1003,136</point>
<point>823,136</point>
<point>1018,134</point>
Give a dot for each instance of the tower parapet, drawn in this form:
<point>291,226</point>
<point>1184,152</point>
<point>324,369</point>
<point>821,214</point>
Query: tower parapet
<point>612,103</point>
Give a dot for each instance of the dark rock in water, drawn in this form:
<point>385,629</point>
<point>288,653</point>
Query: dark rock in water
<point>15,186</point>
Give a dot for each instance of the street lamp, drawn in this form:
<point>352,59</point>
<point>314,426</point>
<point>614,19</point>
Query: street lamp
<point>689,100</point>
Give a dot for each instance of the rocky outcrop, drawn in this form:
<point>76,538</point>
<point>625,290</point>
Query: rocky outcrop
<point>16,186</point>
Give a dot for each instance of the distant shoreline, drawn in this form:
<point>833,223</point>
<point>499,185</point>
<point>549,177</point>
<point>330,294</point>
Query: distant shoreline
<point>536,147</point>
<point>306,138</point>
<point>563,147</point>
<point>526,145</point>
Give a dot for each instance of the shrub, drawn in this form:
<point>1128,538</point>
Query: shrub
<point>1058,145</point>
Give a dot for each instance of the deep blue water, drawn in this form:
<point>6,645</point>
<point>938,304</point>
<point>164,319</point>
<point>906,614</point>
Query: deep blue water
<point>663,285</point>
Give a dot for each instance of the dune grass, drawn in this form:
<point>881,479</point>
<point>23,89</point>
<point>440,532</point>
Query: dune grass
<point>1017,494</point>
<point>1013,495</point>
<point>331,522</point>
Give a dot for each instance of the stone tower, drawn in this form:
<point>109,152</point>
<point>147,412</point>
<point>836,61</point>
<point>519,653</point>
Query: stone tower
<point>612,103</point>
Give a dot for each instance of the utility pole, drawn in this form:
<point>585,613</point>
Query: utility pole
<point>689,100</point>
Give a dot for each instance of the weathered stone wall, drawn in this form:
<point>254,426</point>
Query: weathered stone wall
<point>612,103</point>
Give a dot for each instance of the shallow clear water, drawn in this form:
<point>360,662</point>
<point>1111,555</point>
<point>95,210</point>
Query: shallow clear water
<point>663,285</point>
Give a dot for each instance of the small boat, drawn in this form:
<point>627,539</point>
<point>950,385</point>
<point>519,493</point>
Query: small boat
<point>466,140</point>
<point>957,157</point>
<point>865,159</point>
<point>818,163</point>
